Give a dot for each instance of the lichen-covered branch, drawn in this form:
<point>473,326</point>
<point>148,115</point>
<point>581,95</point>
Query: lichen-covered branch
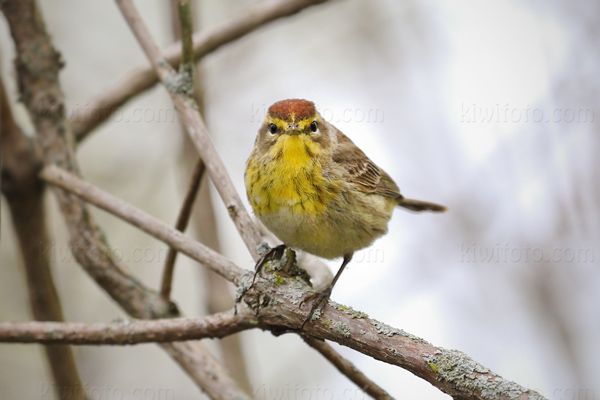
<point>273,304</point>
<point>277,300</point>
<point>101,107</point>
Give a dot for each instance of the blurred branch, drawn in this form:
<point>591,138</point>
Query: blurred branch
<point>24,193</point>
<point>126,332</point>
<point>181,225</point>
<point>38,64</point>
<point>348,369</point>
<point>140,219</point>
<point>101,107</point>
<point>194,125</point>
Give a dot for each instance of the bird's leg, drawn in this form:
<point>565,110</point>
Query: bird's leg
<point>322,296</point>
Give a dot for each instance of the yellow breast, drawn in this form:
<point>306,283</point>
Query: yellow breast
<point>291,178</point>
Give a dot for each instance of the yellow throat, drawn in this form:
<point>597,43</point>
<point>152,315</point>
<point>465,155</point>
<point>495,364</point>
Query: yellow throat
<point>291,179</point>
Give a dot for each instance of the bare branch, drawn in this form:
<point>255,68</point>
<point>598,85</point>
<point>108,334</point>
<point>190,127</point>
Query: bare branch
<point>194,125</point>
<point>37,65</point>
<point>126,332</point>
<point>348,369</point>
<point>24,193</point>
<point>187,71</point>
<point>145,222</point>
<point>142,78</point>
<point>181,225</point>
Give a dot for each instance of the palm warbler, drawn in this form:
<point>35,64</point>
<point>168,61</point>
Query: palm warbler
<point>316,190</point>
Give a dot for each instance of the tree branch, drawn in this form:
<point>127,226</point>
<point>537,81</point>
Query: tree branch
<point>37,65</point>
<point>194,125</point>
<point>142,78</point>
<point>276,309</point>
<point>182,222</point>
<point>24,193</point>
<point>451,371</point>
<point>140,219</point>
<point>185,26</point>
<point>126,332</point>
<point>217,291</point>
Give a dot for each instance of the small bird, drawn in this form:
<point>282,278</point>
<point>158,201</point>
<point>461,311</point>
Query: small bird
<point>311,186</point>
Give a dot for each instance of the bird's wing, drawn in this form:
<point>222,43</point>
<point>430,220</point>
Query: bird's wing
<point>363,172</point>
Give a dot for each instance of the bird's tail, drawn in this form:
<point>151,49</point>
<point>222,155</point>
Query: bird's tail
<point>418,205</point>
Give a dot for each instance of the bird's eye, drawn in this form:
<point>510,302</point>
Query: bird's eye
<point>313,126</point>
<point>273,128</point>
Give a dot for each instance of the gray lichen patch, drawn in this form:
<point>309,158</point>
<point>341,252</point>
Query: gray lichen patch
<point>341,328</point>
<point>294,291</point>
<point>245,281</point>
<point>390,331</point>
<point>349,311</point>
<point>317,314</point>
<point>179,82</point>
<point>462,371</point>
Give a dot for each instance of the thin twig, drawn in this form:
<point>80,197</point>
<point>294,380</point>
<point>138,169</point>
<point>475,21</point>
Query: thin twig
<point>96,111</point>
<point>187,72</point>
<point>126,332</point>
<point>194,125</point>
<point>348,369</point>
<point>142,220</point>
<point>181,224</point>
<point>187,30</point>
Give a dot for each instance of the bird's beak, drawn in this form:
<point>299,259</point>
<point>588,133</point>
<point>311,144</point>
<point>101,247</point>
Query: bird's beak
<point>293,129</point>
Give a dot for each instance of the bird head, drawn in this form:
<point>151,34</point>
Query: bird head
<point>293,126</point>
<point>292,117</point>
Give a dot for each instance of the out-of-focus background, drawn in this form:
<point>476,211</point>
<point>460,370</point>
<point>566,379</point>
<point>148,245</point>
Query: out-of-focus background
<point>490,108</point>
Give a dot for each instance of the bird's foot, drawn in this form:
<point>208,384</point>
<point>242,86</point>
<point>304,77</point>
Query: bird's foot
<point>319,298</point>
<point>273,254</point>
